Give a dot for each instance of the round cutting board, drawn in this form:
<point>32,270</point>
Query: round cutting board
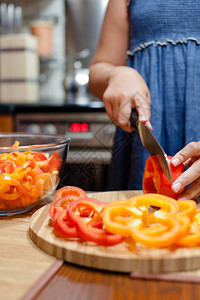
<point>124,257</point>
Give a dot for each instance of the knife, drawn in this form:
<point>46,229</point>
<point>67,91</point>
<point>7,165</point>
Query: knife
<point>151,144</point>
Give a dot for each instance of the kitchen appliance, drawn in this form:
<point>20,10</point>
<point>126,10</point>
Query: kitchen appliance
<point>6,122</point>
<point>151,144</point>
<point>83,26</point>
<point>91,133</point>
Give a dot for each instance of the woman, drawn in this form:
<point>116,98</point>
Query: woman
<point>148,58</point>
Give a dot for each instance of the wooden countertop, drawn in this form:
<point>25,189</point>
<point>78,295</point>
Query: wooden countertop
<point>21,262</point>
<point>28,273</point>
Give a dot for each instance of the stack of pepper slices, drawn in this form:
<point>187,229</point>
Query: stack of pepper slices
<point>169,222</point>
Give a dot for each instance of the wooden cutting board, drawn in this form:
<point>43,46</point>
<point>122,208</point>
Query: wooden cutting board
<point>125,257</point>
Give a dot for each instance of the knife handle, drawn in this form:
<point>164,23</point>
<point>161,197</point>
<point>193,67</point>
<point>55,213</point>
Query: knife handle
<point>134,118</point>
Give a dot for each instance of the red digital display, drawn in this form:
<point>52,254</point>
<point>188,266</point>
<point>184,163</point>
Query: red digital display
<point>79,127</point>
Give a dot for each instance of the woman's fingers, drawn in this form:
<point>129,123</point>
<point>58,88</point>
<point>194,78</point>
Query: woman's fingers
<point>108,108</point>
<point>190,176</point>
<point>119,108</point>
<point>124,111</point>
<point>190,150</point>
<point>142,102</point>
<point>190,157</point>
<point>124,116</point>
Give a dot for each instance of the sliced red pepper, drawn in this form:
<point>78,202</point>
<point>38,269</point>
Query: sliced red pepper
<point>62,225</point>
<point>53,163</point>
<point>88,228</point>
<point>50,165</point>
<point>155,181</point>
<point>70,192</point>
<point>63,197</point>
<point>6,167</point>
<point>57,207</point>
<point>39,156</point>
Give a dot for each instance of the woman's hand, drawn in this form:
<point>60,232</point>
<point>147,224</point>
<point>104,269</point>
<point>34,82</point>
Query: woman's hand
<point>126,89</point>
<point>190,157</point>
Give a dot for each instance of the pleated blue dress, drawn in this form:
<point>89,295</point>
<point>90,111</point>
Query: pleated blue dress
<point>165,49</point>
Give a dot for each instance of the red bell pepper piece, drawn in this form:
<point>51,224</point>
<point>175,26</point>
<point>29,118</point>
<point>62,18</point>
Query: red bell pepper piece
<point>91,229</point>
<point>63,197</point>
<point>70,192</point>
<point>6,167</point>
<point>39,156</point>
<point>50,165</point>
<point>62,225</point>
<point>155,181</point>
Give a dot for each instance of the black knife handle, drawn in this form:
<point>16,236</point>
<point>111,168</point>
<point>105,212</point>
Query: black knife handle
<point>134,118</point>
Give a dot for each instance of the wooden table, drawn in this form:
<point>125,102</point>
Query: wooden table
<point>28,273</point>
<point>76,283</point>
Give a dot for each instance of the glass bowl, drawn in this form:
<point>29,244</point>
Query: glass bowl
<point>30,169</point>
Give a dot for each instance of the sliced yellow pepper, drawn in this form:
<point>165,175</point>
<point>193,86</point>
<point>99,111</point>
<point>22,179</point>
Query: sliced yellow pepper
<point>165,239</point>
<point>118,215</point>
<point>165,203</point>
<point>187,207</point>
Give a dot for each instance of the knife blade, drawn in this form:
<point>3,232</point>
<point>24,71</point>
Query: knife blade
<point>151,144</point>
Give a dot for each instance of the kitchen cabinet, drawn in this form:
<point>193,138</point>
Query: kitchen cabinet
<point>6,123</point>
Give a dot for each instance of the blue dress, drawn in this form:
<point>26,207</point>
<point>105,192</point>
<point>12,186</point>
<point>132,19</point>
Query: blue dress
<point>165,49</point>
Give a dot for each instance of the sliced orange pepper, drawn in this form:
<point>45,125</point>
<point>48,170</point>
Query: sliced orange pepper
<point>165,239</point>
<point>187,207</point>
<point>193,237</point>
<point>9,196</point>
<point>25,181</point>
<point>15,145</point>
<point>160,228</point>
<point>165,203</point>
<point>197,218</point>
<point>118,215</point>
<point>4,188</point>
<point>185,225</point>
<point>190,240</point>
<point>6,179</point>
<point>155,229</point>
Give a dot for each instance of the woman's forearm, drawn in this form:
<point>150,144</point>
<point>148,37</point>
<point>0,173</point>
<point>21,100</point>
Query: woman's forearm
<point>99,77</point>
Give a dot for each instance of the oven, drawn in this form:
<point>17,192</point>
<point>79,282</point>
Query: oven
<point>91,133</point>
